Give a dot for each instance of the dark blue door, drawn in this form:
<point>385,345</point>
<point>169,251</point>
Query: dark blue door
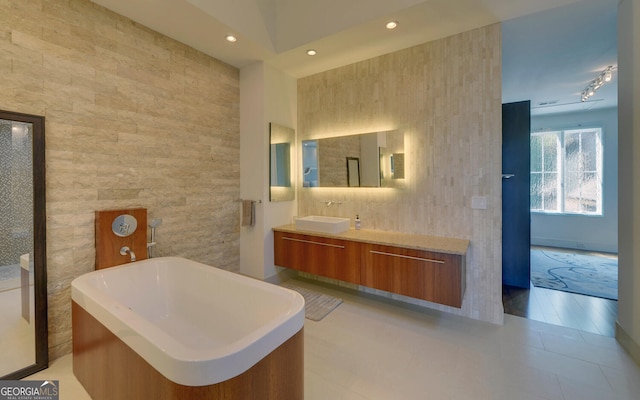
<point>516,212</point>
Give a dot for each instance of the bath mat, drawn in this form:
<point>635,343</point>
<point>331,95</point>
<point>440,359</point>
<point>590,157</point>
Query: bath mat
<point>316,305</point>
<point>576,273</point>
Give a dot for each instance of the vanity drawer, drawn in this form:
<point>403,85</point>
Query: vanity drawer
<point>332,258</point>
<point>431,276</point>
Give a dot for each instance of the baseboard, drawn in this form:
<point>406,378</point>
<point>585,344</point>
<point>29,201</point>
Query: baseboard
<point>281,276</point>
<point>628,343</point>
<point>568,244</point>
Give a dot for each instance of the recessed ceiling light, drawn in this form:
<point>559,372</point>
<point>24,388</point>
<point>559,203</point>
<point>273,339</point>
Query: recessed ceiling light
<point>311,52</point>
<point>231,38</point>
<point>392,25</point>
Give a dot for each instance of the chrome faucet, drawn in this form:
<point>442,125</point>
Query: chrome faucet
<point>125,249</point>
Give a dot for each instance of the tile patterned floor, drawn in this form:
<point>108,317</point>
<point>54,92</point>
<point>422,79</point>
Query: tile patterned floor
<point>368,349</point>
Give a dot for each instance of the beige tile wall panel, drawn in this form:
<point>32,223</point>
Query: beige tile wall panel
<point>133,119</point>
<point>446,97</point>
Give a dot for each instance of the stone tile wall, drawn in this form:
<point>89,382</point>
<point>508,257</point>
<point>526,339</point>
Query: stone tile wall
<point>445,96</point>
<point>133,119</point>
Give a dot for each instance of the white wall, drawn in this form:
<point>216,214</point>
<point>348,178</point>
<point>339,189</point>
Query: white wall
<point>280,101</point>
<point>253,141</point>
<point>597,233</point>
<point>266,95</point>
<point>628,326</point>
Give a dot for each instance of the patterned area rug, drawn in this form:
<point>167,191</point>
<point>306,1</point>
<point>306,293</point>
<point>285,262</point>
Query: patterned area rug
<point>316,305</point>
<point>576,273</point>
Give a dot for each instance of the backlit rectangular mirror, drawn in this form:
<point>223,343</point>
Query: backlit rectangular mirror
<point>281,141</point>
<point>374,159</point>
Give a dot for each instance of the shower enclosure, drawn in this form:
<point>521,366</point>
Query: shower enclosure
<point>16,201</point>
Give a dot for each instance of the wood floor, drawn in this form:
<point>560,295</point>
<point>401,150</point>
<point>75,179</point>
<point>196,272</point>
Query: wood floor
<point>590,314</point>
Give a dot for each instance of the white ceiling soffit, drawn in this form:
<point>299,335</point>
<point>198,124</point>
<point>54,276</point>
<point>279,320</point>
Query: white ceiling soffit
<point>300,22</point>
<point>343,32</point>
<point>254,19</point>
<point>418,24</point>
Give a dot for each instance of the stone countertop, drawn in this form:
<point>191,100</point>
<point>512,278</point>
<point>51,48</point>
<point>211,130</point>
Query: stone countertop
<point>386,238</point>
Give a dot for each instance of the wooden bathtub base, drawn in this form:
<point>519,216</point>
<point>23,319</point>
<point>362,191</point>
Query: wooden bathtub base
<point>110,370</point>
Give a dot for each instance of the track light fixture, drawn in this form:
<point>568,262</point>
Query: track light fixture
<point>604,77</point>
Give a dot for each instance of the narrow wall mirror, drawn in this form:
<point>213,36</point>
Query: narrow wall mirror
<point>281,153</point>
<point>23,280</point>
<point>380,158</point>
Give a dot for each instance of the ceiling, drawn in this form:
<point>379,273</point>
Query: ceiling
<point>551,48</point>
<point>551,56</point>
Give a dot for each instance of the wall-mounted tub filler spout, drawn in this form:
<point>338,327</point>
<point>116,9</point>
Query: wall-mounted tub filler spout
<point>153,225</point>
<point>125,249</point>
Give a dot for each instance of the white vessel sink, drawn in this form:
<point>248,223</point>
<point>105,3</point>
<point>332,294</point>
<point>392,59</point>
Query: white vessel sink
<point>317,223</point>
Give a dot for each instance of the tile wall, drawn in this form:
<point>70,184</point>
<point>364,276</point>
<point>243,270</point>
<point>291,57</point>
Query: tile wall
<point>445,96</point>
<point>133,119</point>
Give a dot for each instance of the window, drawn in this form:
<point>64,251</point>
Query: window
<point>566,171</point>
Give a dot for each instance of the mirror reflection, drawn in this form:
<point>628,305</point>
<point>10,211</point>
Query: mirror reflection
<point>22,310</point>
<point>280,175</point>
<point>374,159</point>
<point>397,165</point>
<point>281,141</point>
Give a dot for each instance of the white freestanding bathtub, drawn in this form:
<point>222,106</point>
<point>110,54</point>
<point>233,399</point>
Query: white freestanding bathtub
<point>195,324</point>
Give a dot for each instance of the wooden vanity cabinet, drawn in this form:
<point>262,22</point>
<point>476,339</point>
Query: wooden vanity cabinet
<point>431,276</point>
<point>434,276</point>
<point>397,270</point>
<point>333,258</point>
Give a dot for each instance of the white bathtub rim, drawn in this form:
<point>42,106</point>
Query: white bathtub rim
<point>171,358</point>
<point>101,301</point>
